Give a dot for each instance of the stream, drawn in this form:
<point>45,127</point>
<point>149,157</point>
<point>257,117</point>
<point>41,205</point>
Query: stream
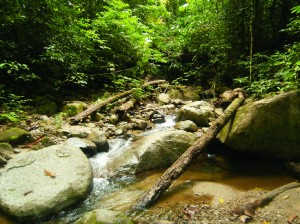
<point>242,172</point>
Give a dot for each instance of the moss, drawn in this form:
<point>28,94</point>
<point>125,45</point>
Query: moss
<point>14,136</point>
<point>74,108</point>
<point>4,146</point>
<point>185,93</point>
<point>88,218</point>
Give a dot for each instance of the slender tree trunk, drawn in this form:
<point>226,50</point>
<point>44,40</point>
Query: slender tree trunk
<point>251,41</point>
<point>183,162</point>
<point>97,106</point>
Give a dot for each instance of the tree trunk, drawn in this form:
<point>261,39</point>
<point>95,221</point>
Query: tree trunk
<point>97,106</point>
<point>182,163</point>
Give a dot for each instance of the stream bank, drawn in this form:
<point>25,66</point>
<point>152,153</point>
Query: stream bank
<point>244,176</point>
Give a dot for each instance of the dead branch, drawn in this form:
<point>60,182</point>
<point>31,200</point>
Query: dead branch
<point>102,103</point>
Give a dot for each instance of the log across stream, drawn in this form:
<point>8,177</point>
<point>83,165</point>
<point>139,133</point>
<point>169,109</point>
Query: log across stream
<point>235,170</point>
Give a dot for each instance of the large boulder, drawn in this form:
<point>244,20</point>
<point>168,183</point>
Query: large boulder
<point>154,151</point>
<point>269,127</point>
<point>14,136</point>
<point>39,183</point>
<point>200,112</point>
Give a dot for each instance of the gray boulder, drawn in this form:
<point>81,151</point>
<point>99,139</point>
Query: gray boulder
<point>164,98</point>
<point>36,184</point>
<point>200,112</point>
<point>269,127</point>
<point>99,138</point>
<point>187,125</point>
<point>88,147</point>
<point>151,152</point>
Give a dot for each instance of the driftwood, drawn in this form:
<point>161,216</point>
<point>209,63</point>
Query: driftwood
<point>182,163</point>
<point>264,200</point>
<point>97,106</point>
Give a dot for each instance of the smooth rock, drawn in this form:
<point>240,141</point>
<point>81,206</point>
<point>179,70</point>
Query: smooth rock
<point>269,127</point>
<point>164,98</point>
<point>104,216</point>
<point>157,150</point>
<point>200,112</point>
<point>99,138</point>
<point>186,125</point>
<point>37,184</point>
<point>88,147</point>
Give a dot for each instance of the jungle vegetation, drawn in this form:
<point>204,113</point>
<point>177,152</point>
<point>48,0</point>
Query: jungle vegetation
<point>58,49</point>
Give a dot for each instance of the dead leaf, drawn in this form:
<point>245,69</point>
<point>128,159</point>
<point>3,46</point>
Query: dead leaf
<point>265,222</point>
<point>29,145</point>
<point>292,217</point>
<point>221,200</point>
<point>49,173</point>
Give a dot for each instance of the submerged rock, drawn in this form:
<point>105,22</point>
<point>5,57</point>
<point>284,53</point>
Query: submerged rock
<point>36,184</point>
<point>104,216</point>
<point>269,127</point>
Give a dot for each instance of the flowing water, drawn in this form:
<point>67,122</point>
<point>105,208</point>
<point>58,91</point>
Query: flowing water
<point>242,172</point>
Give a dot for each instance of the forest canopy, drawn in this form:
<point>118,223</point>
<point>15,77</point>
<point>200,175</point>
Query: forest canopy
<point>59,48</point>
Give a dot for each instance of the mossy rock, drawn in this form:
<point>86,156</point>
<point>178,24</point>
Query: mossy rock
<point>46,105</point>
<point>5,147</point>
<point>14,136</point>
<point>104,216</point>
<point>269,127</point>
<point>185,93</point>
<point>74,108</point>
<point>48,108</point>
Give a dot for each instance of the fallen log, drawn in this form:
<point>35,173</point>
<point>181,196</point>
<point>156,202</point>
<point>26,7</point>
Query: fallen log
<point>183,162</point>
<point>102,103</point>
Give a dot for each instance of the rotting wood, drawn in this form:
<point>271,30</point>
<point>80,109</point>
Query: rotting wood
<point>102,103</point>
<point>265,199</point>
<point>183,162</point>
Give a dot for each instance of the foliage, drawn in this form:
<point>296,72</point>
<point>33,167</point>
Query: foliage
<point>13,107</point>
<point>61,47</point>
<point>278,72</point>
